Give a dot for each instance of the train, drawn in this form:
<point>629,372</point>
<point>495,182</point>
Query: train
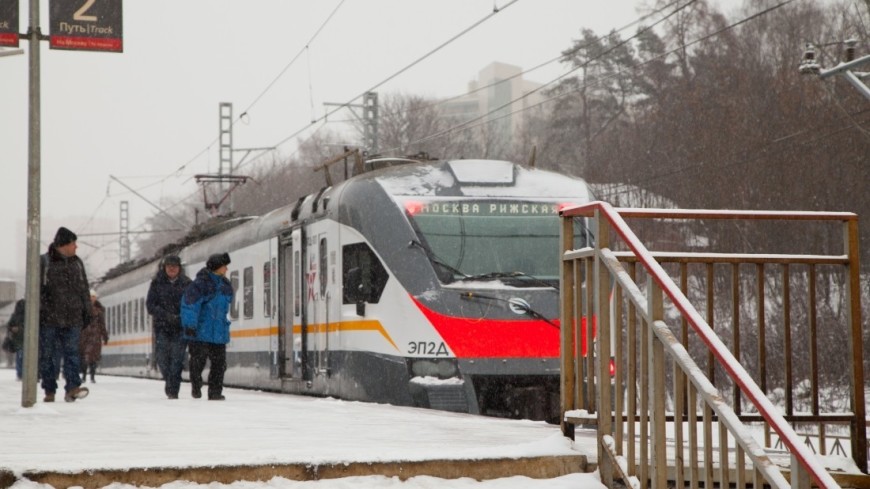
<point>432,284</point>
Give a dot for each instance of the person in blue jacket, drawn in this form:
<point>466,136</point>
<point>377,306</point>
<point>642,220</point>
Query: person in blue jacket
<point>204,309</point>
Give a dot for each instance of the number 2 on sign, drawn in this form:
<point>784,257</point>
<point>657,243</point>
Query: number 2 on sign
<point>80,13</point>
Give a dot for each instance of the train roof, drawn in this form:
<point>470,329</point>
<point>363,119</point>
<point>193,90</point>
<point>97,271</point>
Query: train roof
<point>478,178</point>
<point>443,178</point>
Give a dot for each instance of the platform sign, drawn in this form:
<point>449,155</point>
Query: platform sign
<point>9,23</point>
<point>86,25</point>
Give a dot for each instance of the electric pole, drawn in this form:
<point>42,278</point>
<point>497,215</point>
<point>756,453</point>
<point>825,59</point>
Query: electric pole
<point>124,235</point>
<point>810,66</point>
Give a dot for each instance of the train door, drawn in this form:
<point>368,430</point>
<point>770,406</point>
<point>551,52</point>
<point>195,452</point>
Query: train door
<point>323,303</point>
<point>291,280</point>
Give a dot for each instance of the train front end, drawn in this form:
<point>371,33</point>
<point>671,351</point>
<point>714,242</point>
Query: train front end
<point>480,262</point>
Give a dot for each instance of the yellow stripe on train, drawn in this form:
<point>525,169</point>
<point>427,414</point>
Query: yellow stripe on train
<point>273,330</point>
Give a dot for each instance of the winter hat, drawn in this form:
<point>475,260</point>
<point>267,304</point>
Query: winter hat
<point>217,260</point>
<point>64,237</point>
<point>93,293</point>
<point>172,260</point>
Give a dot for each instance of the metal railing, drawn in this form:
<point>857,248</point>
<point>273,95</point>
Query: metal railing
<point>666,410</point>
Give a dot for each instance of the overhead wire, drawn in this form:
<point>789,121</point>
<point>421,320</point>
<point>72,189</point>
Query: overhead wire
<point>545,85</point>
<point>561,56</point>
<point>389,78</point>
<point>262,93</point>
<point>468,124</point>
<point>244,113</point>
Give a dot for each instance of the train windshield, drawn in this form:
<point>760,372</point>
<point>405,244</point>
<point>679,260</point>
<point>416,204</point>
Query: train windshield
<point>494,238</point>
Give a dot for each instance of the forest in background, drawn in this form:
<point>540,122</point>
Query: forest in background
<point>699,110</point>
<point>703,109</point>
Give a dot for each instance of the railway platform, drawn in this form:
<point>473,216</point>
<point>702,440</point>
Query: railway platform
<point>126,431</point>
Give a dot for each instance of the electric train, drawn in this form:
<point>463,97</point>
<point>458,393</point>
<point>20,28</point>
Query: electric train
<point>430,284</point>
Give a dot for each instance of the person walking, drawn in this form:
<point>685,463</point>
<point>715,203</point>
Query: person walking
<point>164,305</point>
<point>94,336</point>
<point>14,342</point>
<point>64,308</point>
<point>204,309</point>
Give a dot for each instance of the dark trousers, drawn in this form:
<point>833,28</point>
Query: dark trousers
<point>170,360</point>
<point>58,343</point>
<point>217,356</point>
<point>89,366</point>
<point>19,363</point>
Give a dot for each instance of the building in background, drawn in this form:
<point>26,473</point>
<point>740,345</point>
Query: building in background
<point>500,95</point>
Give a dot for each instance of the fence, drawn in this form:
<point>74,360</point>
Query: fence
<point>676,379</point>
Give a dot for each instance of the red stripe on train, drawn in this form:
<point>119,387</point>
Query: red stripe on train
<point>471,337</point>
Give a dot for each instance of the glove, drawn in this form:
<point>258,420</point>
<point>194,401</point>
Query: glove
<point>190,332</point>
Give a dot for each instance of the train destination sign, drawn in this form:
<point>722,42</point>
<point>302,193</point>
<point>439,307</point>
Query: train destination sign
<point>483,208</point>
<point>9,23</point>
<point>86,25</point>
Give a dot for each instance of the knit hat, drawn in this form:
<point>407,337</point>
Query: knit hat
<point>64,237</point>
<point>93,293</point>
<point>172,260</point>
<point>217,260</point>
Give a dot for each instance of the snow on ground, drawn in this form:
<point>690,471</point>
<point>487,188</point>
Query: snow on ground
<point>129,423</point>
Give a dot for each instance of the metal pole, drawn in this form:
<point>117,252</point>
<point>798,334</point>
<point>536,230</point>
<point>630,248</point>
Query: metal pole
<point>31,314</point>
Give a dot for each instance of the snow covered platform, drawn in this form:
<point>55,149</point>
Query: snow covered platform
<point>126,431</point>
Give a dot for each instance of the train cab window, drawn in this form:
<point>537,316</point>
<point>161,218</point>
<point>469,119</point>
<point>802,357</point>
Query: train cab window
<point>248,292</point>
<point>267,290</point>
<point>234,306</point>
<point>364,275</point>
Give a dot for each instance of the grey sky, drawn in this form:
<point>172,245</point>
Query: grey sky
<point>143,114</point>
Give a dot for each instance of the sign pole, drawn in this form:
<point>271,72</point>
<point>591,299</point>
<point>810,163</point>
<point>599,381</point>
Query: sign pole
<point>31,327</point>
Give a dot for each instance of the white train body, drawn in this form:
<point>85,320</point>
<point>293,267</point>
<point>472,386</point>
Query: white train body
<point>430,284</point>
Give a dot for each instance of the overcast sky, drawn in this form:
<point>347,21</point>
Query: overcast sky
<point>146,113</point>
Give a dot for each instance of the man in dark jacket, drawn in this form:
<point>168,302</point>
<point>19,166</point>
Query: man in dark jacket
<point>65,307</point>
<point>164,306</point>
<point>204,309</point>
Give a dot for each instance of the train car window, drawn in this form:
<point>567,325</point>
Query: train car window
<point>362,268</point>
<point>267,290</point>
<point>134,310</point>
<point>123,317</point>
<point>248,291</point>
<point>142,314</point>
<point>234,306</point>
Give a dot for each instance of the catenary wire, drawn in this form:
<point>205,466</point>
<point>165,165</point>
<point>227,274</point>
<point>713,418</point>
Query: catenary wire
<point>389,78</point>
<point>468,124</point>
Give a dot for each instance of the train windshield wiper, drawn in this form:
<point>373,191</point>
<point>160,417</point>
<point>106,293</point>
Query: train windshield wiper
<point>509,275</point>
<point>441,263</point>
<point>522,305</point>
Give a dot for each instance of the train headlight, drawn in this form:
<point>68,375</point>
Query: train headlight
<point>431,367</point>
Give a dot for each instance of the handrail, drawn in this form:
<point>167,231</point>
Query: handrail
<point>738,374</point>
